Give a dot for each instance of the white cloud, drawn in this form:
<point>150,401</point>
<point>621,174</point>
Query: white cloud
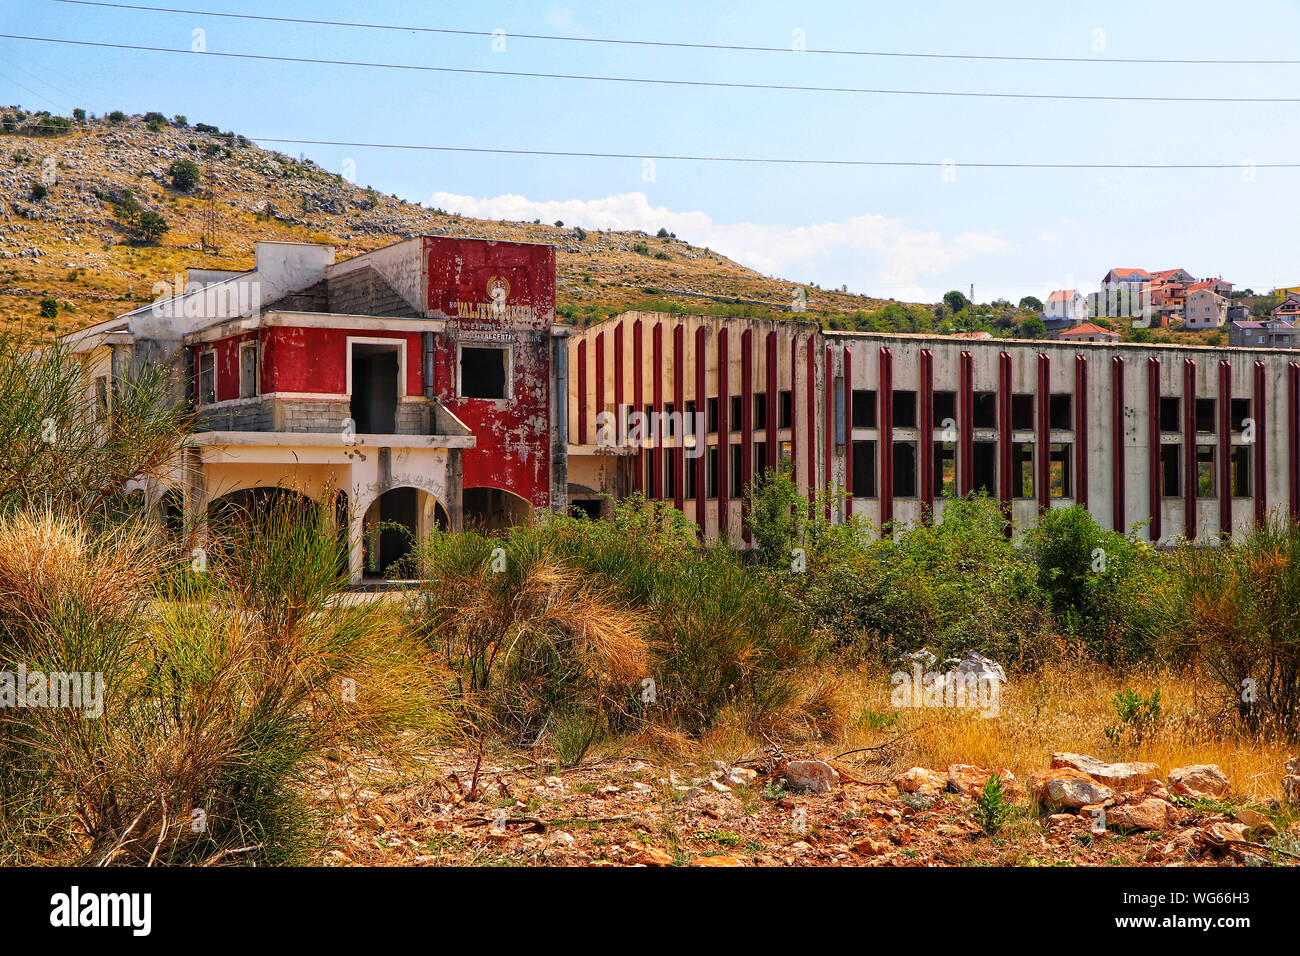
<point>870,253</point>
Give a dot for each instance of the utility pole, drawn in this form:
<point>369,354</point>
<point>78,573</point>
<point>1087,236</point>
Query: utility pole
<point>209,238</point>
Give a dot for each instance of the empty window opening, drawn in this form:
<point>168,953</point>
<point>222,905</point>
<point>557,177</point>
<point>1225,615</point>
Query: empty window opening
<point>1060,411</point>
<point>1171,475</point>
<point>864,469</point>
<point>984,414</point>
<point>737,476</point>
<point>1059,471</point>
<point>945,408</point>
<point>1170,419</point>
<point>711,474</point>
<point>713,416</point>
<point>904,408</point>
<point>585,508</point>
<point>984,467</point>
<point>1241,471</point>
<point>737,411</point>
<point>760,410</point>
<point>1022,470</point>
<point>785,404</point>
<point>483,372</point>
<point>760,458</point>
<point>945,470</point>
<point>864,408</point>
<point>1205,471</point>
<point>1205,415</point>
<point>688,478</point>
<point>904,469</point>
<point>1022,412</point>
<point>1240,412</point>
<point>374,388</point>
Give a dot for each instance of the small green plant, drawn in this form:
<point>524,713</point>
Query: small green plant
<point>1137,714</point>
<point>574,735</point>
<point>992,808</point>
<point>39,191</point>
<point>49,309</point>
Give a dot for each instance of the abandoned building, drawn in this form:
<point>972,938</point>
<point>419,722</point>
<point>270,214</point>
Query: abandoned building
<point>427,384</point>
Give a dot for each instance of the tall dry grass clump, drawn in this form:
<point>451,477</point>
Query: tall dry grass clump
<point>219,703</point>
<point>574,627</point>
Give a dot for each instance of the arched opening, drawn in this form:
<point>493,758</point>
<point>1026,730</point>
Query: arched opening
<point>250,503</point>
<point>491,509</point>
<point>394,522</point>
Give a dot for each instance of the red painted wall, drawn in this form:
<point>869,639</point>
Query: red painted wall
<point>465,279</point>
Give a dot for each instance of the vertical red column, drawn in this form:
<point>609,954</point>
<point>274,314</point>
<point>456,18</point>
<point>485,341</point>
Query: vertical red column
<point>619,414</point>
<point>679,405</point>
<point>657,435</point>
<point>701,434</point>
<point>1042,458</point>
<point>1081,429</point>
<point>886,441</point>
<point>582,392</point>
<point>1258,412</point>
<point>927,433</point>
<point>600,376</point>
<point>1225,447</point>
<point>1004,430</point>
<point>1117,496</point>
<point>1189,448</point>
<point>966,438</point>
<point>829,429</point>
<point>1293,436</point>
<point>724,434</point>
<point>810,413</point>
<point>1154,488</point>
<point>773,432</point>
<point>847,398</point>
<point>794,410</point>
<point>638,404</point>
<point>746,427</point>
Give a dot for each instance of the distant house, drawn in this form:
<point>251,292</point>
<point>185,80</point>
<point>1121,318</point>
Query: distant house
<point>1167,295</point>
<point>1206,308</point>
<point>1065,305</point>
<point>1288,310</point>
<point>1125,278</point>
<point>1087,332</point>
<point>1276,335</point>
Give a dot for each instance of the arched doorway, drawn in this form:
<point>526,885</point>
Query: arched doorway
<point>394,523</point>
<point>491,509</point>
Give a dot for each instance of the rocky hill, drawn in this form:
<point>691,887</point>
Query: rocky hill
<point>77,243</point>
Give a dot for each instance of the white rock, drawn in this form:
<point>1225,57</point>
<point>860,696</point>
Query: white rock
<point>813,775</point>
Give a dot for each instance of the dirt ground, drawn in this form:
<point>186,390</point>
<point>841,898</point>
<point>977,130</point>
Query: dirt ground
<point>631,809</point>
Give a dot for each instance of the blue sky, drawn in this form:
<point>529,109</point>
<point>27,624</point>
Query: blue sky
<point>903,233</point>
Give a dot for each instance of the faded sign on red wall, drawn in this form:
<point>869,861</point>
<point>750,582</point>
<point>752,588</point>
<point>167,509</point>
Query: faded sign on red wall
<point>498,295</point>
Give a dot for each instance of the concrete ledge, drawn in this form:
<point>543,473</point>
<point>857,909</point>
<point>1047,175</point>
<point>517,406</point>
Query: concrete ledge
<point>251,439</point>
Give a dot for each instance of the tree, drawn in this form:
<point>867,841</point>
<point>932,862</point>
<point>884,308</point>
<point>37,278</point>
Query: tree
<point>955,301</point>
<point>1033,328</point>
<point>1032,303</point>
<point>185,174</point>
<point>116,116</point>
<point>39,191</point>
<point>79,115</point>
<point>148,227</point>
<point>49,309</point>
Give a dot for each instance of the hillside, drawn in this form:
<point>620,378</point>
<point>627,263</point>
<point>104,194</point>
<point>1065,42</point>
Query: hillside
<point>68,191</point>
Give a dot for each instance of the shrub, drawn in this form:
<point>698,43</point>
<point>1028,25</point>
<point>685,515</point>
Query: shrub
<point>1138,715</point>
<point>1102,584</point>
<point>147,227</point>
<point>992,808</point>
<point>1237,610</point>
<point>115,117</point>
<point>39,191</point>
<point>184,174</point>
<point>49,309</point>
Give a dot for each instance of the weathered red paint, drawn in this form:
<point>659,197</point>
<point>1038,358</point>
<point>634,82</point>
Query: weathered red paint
<point>1225,446</point>
<point>927,435</point>
<point>886,448</point>
<point>773,433</point>
<point>656,489</point>
<point>497,293</point>
<point>1004,428</point>
<point>1042,461</point>
<point>582,392</point>
<point>1258,412</point>
<point>1081,429</point>
<point>846,396</point>
<point>746,426</point>
<point>1189,449</point>
<point>966,454</point>
<point>1154,489</point>
<point>724,434</point>
<point>701,434</point>
<point>679,404</point>
<point>638,403</point>
<point>1117,448</point>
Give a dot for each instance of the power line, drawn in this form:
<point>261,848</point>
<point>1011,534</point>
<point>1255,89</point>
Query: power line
<point>774,160</point>
<point>660,81</point>
<point>678,44</point>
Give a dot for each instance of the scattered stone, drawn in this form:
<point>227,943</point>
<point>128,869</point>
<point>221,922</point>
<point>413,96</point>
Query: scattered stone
<point>609,791</point>
<point>718,861</point>
<point>920,781</point>
<point>816,776</point>
<point>870,847</point>
<point>1253,820</point>
<point>554,782</point>
<point>639,787</point>
<point>1291,788</point>
<point>1154,788</point>
<point>719,787</point>
<point>1118,776</point>
<point>651,856</point>
<point>719,766</point>
<point>740,777</point>
<point>970,780</point>
<point>1151,813</point>
<point>1067,787</point>
<point>562,837</point>
<point>689,793</point>
<point>1200,782</point>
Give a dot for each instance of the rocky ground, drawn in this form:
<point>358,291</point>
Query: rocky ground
<point>769,810</point>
